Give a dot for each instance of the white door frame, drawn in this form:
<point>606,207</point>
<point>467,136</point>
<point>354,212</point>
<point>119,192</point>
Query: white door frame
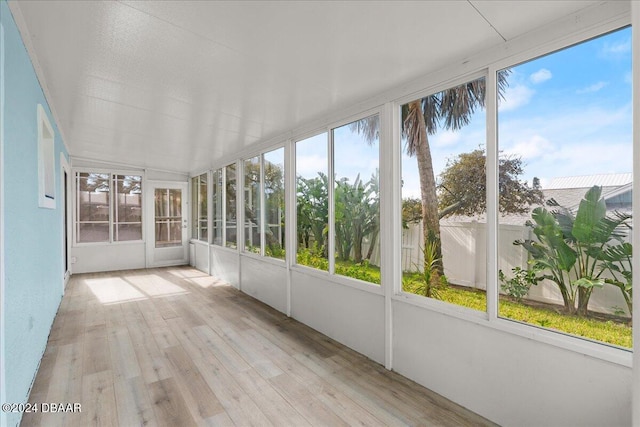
<point>68,226</point>
<point>150,219</point>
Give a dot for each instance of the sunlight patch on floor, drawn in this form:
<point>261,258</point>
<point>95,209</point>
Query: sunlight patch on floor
<point>113,290</point>
<point>184,273</point>
<point>154,285</point>
<point>206,281</point>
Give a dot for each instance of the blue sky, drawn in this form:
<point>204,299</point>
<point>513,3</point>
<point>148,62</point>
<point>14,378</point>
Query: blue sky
<point>565,114</point>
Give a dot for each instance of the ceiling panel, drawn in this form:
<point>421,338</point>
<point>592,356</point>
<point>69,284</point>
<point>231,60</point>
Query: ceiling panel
<point>512,19</point>
<point>178,85</point>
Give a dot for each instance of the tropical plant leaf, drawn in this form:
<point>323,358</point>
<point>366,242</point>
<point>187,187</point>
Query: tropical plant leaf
<point>587,283</point>
<point>587,228</point>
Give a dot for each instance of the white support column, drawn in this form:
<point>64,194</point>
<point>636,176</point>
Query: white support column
<point>290,214</point>
<point>262,207</point>
<point>491,105</point>
<point>635,22</point>
<point>331,182</point>
<point>210,213</point>
<point>239,216</point>
<point>224,205</point>
<point>390,224</point>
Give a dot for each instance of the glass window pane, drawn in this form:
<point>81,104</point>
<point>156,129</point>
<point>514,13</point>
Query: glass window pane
<point>274,203</point>
<point>93,202</point>
<point>128,209</point>
<point>130,232</point>
<point>161,202</point>
<point>93,232</point>
<point>444,196</point>
<point>195,193</point>
<point>252,205</point>
<point>565,139</point>
<point>175,203</point>
<point>312,202</point>
<point>230,206</point>
<point>168,227</point>
<point>357,199</point>
<point>217,206</point>
<point>202,208</point>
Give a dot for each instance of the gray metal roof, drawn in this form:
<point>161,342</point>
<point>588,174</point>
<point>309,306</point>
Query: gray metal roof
<point>588,181</point>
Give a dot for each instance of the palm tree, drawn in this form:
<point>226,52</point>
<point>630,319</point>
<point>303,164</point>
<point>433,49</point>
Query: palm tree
<point>450,109</point>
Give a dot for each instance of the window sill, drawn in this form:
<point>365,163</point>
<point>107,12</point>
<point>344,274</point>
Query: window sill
<point>89,244</point>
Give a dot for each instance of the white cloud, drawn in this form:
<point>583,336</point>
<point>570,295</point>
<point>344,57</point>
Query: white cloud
<point>515,96</point>
<point>582,141</point>
<point>308,166</point>
<point>531,148</point>
<point>542,75</point>
<point>592,88</point>
<point>445,138</point>
<point>616,49</point>
<point>627,77</point>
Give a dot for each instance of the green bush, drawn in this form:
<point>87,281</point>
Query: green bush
<point>518,286</point>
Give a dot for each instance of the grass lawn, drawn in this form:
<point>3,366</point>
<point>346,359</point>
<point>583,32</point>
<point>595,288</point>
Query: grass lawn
<point>607,331</point>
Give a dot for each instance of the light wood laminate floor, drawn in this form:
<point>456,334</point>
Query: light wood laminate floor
<point>176,347</point>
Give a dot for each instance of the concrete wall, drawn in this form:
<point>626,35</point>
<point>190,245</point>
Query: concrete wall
<point>33,257</point>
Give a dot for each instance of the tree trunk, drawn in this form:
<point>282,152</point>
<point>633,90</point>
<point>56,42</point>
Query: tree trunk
<point>372,245</point>
<point>583,300</point>
<point>357,250</point>
<point>429,198</point>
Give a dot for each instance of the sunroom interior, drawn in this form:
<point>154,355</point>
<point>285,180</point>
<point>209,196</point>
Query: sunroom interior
<point>476,236</point>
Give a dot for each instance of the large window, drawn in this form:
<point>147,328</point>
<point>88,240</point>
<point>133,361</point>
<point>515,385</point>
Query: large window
<point>199,210</point>
<point>92,202</point>
<point>356,199</point>
<point>252,220</point>
<point>127,209</point>
<point>230,222</point>
<point>273,169</point>
<point>312,210</point>
<point>264,204</point>
<point>354,203</point>
<point>108,207</point>
<point>217,206</point>
<point>444,195</point>
<point>565,126</point>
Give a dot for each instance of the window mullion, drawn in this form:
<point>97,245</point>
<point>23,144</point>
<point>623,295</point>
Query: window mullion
<point>224,206</point>
<point>112,215</point>
<point>332,210</point>
<point>262,206</point>
<point>491,103</point>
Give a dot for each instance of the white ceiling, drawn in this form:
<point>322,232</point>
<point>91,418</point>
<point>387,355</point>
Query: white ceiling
<point>178,85</point>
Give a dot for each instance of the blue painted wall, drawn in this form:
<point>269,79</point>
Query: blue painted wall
<point>33,256</point>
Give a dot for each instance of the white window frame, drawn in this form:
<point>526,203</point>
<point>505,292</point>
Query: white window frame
<point>490,318</point>
<point>76,206</point>
<point>195,208</point>
<point>46,161</point>
<point>331,275</point>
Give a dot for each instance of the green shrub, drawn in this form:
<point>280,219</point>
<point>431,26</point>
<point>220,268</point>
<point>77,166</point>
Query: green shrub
<point>518,286</point>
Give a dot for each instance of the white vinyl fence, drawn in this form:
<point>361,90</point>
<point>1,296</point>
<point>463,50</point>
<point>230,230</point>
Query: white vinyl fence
<point>464,248</point>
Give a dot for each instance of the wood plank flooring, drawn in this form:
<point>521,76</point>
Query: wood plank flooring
<point>176,347</point>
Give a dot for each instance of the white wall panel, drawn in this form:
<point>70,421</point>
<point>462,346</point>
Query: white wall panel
<point>265,281</point>
<point>201,257</point>
<point>94,258</point>
<point>512,380</point>
<point>225,265</point>
<point>350,316</point>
